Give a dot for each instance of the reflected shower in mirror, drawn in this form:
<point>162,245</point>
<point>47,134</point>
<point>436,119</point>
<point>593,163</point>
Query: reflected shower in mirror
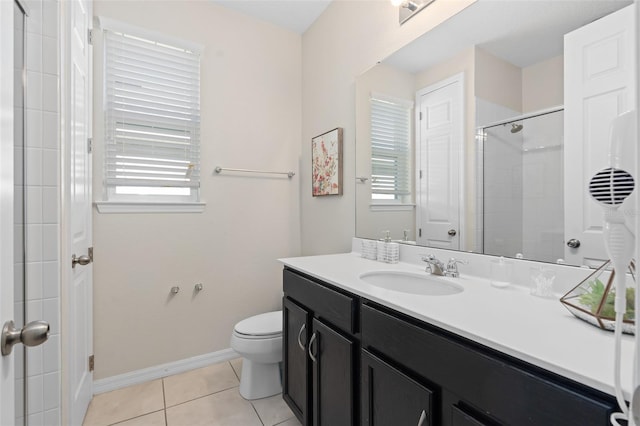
<point>523,208</point>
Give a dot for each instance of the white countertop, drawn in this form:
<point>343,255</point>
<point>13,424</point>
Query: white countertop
<point>539,331</point>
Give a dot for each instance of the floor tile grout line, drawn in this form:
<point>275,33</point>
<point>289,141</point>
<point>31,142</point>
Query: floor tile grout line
<point>234,371</point>
<point>200,397</point>
<point>257,414</point>
<point>134,417</point>
<point>285,420</point>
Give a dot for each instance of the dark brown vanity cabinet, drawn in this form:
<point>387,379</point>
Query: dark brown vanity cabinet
<point>320,352</point>
<point>350,361</point>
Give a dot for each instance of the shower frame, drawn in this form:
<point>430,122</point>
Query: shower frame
<point>480,138</point>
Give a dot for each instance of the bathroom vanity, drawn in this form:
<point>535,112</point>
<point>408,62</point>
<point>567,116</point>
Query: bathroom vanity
<point>358,354</point>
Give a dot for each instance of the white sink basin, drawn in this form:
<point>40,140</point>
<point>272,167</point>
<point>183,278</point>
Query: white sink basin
<point>412,283</point>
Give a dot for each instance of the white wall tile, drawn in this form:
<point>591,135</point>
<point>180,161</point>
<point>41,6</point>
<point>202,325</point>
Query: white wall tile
<point>34,204</point>
<point>51,354</point>
<point>34,281</point>
<point>50,130</point>
<point>35,419</point>
<point>50,92</point>
<point>35,397</point>
<point>34,166</point>
<point>34,52</point>
<point>19,389</point>
<point>51,391</point>
<point>50,246</point>
<point>50,18</point>
<point>34,243</point>
<point>18,283</point>
<point>34,128</point>
<point>52,417</point>
<point>34,21</point>
<point>34,361</point>
<point>50,280</point>
<point>49,55</point>
<point>34,90</point>
<point>34,310</point>
<point>49,167</point>
<point>50,204</point>
<point>51,314</point>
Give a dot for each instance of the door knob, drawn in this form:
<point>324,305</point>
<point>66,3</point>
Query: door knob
<point>452,232</point>
<point>573,243</point>
<point>33,334</point>
<point>85,259</point>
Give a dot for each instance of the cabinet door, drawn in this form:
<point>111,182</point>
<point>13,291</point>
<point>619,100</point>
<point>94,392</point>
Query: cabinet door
<point>295,386</point>
<point>391,398</point>
<point>332,357</point>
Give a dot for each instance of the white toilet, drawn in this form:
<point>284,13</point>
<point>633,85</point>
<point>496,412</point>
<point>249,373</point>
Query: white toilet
<point>258,340</point>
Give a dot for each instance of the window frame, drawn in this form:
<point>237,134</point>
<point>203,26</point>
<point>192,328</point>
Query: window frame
<point>140,203</point>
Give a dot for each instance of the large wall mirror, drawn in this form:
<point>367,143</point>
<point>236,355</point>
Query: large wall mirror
<point>460,135</point>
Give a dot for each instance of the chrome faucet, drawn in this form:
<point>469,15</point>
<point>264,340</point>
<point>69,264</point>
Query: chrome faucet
<point>435,266</point>
<point>452,267</point>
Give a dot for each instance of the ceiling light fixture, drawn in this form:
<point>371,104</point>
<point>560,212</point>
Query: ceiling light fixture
<point>408,8</point>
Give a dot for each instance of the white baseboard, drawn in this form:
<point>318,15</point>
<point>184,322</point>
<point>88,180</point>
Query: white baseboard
<point>146,374</point>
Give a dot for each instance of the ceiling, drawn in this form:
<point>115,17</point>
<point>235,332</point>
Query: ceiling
<point>294,15</point>
<point>522,32</point>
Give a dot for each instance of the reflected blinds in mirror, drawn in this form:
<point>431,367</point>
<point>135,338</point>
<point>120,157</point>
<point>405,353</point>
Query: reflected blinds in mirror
<point>390,148</point>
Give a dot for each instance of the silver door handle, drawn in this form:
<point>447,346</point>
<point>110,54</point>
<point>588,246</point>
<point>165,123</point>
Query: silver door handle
<point>452,232</point>
<point>33,334</point>
<point>422,419</point>
<point>311,355</point>
<point>85,259</point>
<point>573,243</point>
<point>300,335</point>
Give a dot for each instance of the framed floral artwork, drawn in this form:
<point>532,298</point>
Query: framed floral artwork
<point>326,161</point>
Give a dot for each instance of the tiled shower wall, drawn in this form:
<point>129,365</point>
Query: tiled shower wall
<point>42,214</point>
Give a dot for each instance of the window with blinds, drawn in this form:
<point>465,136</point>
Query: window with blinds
<point>390,149</point>
<point>152,119</point>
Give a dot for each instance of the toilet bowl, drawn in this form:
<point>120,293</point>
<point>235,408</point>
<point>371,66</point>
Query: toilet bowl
<point>258,340</point>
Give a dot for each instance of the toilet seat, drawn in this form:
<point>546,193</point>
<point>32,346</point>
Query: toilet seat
<point>263,326</point>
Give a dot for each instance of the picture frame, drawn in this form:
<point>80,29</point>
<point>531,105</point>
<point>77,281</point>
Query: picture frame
<point>326,163</point>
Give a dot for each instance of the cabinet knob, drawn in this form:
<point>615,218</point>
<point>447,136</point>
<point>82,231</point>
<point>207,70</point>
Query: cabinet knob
<point>452,232</point>
<point>300,335</point>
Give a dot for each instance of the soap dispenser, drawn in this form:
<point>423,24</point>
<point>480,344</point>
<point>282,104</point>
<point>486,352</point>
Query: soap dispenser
<point>388,252</point>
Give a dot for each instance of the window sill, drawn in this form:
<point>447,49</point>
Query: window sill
<point>149,207</point>
<point>382,207</point>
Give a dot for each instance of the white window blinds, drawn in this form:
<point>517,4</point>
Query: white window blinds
<point>390,148</point>
<point>152,113</point>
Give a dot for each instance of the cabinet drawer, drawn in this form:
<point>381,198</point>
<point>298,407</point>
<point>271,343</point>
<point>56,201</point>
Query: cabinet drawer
<point>460,418</point>
<point>505,388</point>
<point>328,304</point>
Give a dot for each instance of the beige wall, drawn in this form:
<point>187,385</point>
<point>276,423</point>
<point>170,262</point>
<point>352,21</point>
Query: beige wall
<point>349,38</point>
<point>498,81</point>
<point>251,115</point>
<point>543,84</point>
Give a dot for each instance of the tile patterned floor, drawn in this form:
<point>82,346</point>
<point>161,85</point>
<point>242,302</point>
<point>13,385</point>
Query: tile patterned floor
<point>206,396</point>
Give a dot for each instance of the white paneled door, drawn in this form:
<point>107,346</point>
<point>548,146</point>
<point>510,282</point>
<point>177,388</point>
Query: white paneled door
<point>76,95</point>
<point>440,132</point>
<point>7,363</point>
<point>599,57</point>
